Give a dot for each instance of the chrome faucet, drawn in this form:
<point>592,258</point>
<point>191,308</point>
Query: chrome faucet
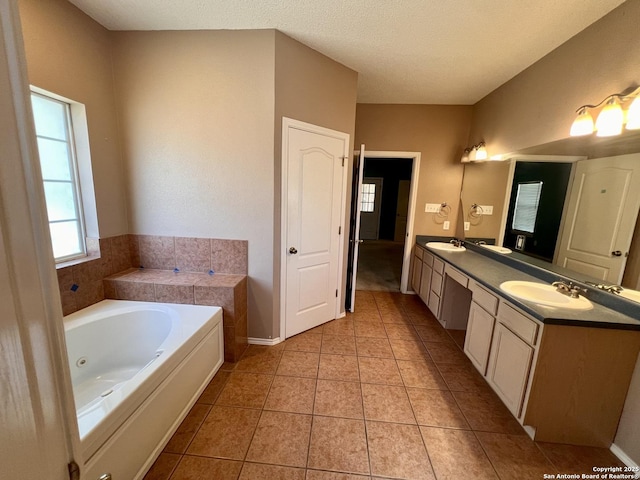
<point>456,243</point>
<point>481,242</point>
<point>607,288</point>
<point>569,289</point>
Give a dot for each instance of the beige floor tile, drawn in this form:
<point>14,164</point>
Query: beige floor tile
<point>379,370</point>
<point>486,413</point>
<point>187,429</point>
<point>197,468</point>
<point>281,439</point>
<point>370,329</point>
<point>446,353</point>
<point>458,337</point>
<point>163,467</point>
<point>288,394</point>
<point>225,433</point>
<point>338,399</point>
<point>259,471</point>
<point>373,347</point>
<point>371,316</point>
<point>394,315</point>
<point>322,475</point>
<point>436,408</point>
<point>338,444</point>
<point>398,451</point>
<point>457,454</point>
<point>400,331</point>
<point>421,373</point>
<point>211,393</point>
<point>339,367</point>
<point>578,459</point>
<point>462,378</point>
<point>387,403</point>
<point>259,359</point>
<point>338,344</point>
<point>433,333</point>
<point>245,390</point>
<point>299,364</point>
<point>515,456</point>
<point>304,342</point>
<point>408,349</point>
<point>341,326</point>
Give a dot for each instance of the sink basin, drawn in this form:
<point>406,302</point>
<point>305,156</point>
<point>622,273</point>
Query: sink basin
<point>544,294</point>
<point>445,247</point>
<point>496,248</point>
<point>633,295</point>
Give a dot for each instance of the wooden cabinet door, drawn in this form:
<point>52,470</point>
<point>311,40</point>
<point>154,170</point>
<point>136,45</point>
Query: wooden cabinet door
<point>477,342</point>
<point>417,274</point>
<point>509,368</point>
<point>425,283</point>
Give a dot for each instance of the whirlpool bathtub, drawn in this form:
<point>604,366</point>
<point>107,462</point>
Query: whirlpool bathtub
<point>136,369</point>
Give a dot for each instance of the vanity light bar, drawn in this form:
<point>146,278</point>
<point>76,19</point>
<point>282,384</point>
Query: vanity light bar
<point>611,118</point>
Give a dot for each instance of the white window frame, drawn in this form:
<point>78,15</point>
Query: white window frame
<point>75,178</point>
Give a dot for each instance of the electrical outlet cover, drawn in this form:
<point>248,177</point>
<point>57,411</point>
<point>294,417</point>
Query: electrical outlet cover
<point>445,225</point>
<point>467,226</point>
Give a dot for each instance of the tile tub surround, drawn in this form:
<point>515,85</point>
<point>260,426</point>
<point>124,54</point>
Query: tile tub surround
<point>299,411</point>
<point>90,280</point>
<point>224,290</point>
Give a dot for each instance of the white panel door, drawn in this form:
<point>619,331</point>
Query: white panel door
<point>356,236</point>
<point>402,209</point>
<point>601,216</point>
<point>315,189</point>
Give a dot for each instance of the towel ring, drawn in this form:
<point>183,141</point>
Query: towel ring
<point>444,210</point>
<point>476,211</point>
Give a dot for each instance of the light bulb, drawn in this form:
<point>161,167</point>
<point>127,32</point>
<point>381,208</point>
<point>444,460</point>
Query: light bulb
<point>583,124</point>
<point>610,120</point>
<point>633,115</point>
<point>481,152</point>
<point>465,156</point>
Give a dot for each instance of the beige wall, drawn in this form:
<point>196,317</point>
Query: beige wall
<point>69,54</point>
<point>312,88</point>
<point>440,133</point>
<point>538,105</point>
<point>485,184</point>
<point>196,112</point>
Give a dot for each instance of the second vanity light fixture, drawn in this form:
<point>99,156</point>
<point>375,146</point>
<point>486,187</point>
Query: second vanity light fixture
<point>474,154</point>
<point>611,118</point>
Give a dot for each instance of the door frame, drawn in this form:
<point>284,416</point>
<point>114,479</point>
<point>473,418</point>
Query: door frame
<point>288,123</point>
<point>411,212</point>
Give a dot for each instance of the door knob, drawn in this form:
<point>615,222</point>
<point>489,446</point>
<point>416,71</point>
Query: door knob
<point>293,251</point>
<point>617,253</point>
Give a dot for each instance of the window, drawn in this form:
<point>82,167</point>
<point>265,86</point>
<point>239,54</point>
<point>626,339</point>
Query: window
<point>59,167</point>
<point>368,197</point>
<point>526,209</point>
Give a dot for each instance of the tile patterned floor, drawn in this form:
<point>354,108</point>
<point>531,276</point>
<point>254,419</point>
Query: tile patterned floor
<point>384,393</point>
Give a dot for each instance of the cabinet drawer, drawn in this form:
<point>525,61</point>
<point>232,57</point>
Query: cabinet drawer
<point>456,275</point>
<point>419,252</point>
<point>427,258</point>
<point>518,323</point>
<point>483,297</point>
<point>438,265</point>
<point>434,303</point>
<point>436,283</point>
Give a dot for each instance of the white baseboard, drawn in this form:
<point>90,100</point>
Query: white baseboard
<point>624,458</point>
<point>263,341</point>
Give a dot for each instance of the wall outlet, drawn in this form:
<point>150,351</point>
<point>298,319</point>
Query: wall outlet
<point>487,209</point>
<point>467,226</point>
<point>445,225</point>
<point>432,207</point>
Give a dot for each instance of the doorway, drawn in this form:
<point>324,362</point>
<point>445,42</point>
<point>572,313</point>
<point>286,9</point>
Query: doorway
<point>386,198</point>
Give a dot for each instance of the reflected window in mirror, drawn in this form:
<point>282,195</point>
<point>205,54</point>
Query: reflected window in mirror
<point>368,197</point>
<point>526,208</point>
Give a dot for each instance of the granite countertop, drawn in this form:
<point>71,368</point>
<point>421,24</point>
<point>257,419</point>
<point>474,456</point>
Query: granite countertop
<point>491,272</point>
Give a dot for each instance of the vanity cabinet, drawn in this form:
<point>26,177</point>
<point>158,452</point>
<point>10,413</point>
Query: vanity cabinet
<point>425,281</point>
<point>435,292</point>
<point>477,341</point>
<point>416,274</point>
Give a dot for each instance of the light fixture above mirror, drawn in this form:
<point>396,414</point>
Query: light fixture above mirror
<point>612,116</point>
<point>477,153</point>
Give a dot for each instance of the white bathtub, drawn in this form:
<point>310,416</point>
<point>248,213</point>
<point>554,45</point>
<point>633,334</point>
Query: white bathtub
<point>136,369</point>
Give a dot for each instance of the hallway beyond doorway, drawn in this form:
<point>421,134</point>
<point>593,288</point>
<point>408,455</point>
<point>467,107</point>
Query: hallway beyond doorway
<point>380,266</point>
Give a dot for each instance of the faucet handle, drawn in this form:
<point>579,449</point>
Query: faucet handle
<point>576,291</point>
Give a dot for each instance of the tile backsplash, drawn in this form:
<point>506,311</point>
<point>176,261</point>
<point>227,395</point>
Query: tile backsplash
<point>81,283</point>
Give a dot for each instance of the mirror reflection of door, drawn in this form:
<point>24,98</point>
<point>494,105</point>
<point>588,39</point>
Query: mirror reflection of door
<point>370,208</point>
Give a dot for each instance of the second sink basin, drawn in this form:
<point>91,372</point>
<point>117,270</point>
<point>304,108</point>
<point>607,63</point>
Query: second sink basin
<point>544,294</point>
<point>446,247</point>
<point>497,248</point>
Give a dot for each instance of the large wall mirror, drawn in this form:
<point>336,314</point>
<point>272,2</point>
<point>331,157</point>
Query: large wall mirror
<point>569,207</point>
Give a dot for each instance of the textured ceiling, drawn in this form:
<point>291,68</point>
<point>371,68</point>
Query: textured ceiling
<point>406,51</point>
